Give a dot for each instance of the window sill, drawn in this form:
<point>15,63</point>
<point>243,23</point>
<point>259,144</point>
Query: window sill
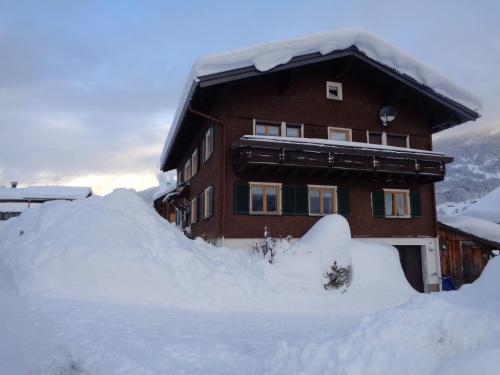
<point>398,217</point>
<point>265,213</point>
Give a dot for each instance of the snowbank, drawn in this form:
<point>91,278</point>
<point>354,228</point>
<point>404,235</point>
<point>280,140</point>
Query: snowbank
<point>116,249</point>
<point>446,333</point>
<point>487,208</point>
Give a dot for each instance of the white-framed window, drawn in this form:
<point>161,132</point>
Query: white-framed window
<point>208,144</point>
<point>293,130</point>
<point>194,162</point>
<point>397,203</point>
<point>388,139</point>
<point>322,199</point>
<point>208,202</point>
<point>278,129</point>
<point>265,198</point>
<point>268,128</point>
<point>187,170</point>
<point>334,90</point>
<point>194,211</point>
<point>339,134</point>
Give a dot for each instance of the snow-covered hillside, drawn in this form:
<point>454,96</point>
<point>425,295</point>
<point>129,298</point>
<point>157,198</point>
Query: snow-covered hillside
<point>106,286</point>
<point>475,170</point>
<point>487,208</point>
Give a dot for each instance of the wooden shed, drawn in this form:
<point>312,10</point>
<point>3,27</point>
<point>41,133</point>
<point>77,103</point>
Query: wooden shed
<point>466,246</point>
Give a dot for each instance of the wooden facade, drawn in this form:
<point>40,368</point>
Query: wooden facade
<point>463,255</point>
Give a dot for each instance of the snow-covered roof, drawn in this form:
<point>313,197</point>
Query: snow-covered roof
<point>44,193</point>
<point>330,142</point>
<point>265,57</point>
<point>488,207</point>
<point>477,227</point>
<point>164,189</point>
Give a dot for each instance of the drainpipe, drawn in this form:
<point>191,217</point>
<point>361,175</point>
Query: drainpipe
<point>223,159</point>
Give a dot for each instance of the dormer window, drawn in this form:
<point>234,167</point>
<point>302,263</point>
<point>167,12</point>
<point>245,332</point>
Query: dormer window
<point>334,90</point>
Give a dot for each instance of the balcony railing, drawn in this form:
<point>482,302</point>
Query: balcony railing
<point>356,160</point>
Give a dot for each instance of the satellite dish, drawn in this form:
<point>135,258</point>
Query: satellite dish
<point>387,114</point>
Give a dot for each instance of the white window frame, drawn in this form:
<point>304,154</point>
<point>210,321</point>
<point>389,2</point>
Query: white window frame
<point>208,192</point>
<point>338,86</point>
<point>187,175</point>
<point>283,125</point>
<point>194,210</point>
<point>384,138</point>
<point>265,184</point>
<point>324,187</point>
<point>344,130</point>
<point>194,161</point>
<point>407,203</point>
<point>208,145</point>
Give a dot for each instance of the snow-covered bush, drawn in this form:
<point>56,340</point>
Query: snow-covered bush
<point>338,277</point>
<point>269,244</point>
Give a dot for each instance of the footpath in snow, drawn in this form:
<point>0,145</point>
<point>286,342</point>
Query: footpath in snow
<point>105,286</point>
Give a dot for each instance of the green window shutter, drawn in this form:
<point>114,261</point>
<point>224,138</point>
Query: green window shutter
<point>415,204</point>
<point>301,200</point>
<point>343,201</point>
<point>378,204</point>
<point>288,197</point>
<point>241,198</point>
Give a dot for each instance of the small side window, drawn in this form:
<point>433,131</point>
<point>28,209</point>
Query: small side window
<point>334,90</point>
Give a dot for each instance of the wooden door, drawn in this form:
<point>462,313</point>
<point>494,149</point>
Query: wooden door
<point>411,261</point>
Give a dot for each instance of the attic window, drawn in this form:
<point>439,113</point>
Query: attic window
<point>334,90</point>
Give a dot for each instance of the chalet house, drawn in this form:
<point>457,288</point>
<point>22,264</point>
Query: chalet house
<point>280,134</point>
<point>466,246</point>
<point>14,200</point>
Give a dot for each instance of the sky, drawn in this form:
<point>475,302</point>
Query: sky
<point>88,89</point>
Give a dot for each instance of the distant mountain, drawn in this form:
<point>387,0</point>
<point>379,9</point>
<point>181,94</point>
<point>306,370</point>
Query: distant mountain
<point>476,169</point>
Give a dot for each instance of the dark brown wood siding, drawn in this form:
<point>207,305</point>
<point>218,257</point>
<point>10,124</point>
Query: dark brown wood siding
<point>299,97</point>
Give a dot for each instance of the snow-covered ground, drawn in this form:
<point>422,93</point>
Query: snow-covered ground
<point>105,286</point>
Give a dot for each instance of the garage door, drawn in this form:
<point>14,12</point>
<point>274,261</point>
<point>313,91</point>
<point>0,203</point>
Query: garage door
<point>411,261</point>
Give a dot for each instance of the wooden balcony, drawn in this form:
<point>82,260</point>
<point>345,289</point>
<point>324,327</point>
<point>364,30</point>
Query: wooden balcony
<point>257,155</point>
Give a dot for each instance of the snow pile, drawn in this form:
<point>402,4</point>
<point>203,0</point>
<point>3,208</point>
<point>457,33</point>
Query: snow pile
<point>477,227</point>
<point>448,333</point>
<point>487,208</point>
<point>267,56</point>
<point>116,249</point>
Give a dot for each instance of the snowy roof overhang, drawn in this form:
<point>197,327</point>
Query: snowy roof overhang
<point>213,70</point>
<point>44,193</point>
<point>479,229</point>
